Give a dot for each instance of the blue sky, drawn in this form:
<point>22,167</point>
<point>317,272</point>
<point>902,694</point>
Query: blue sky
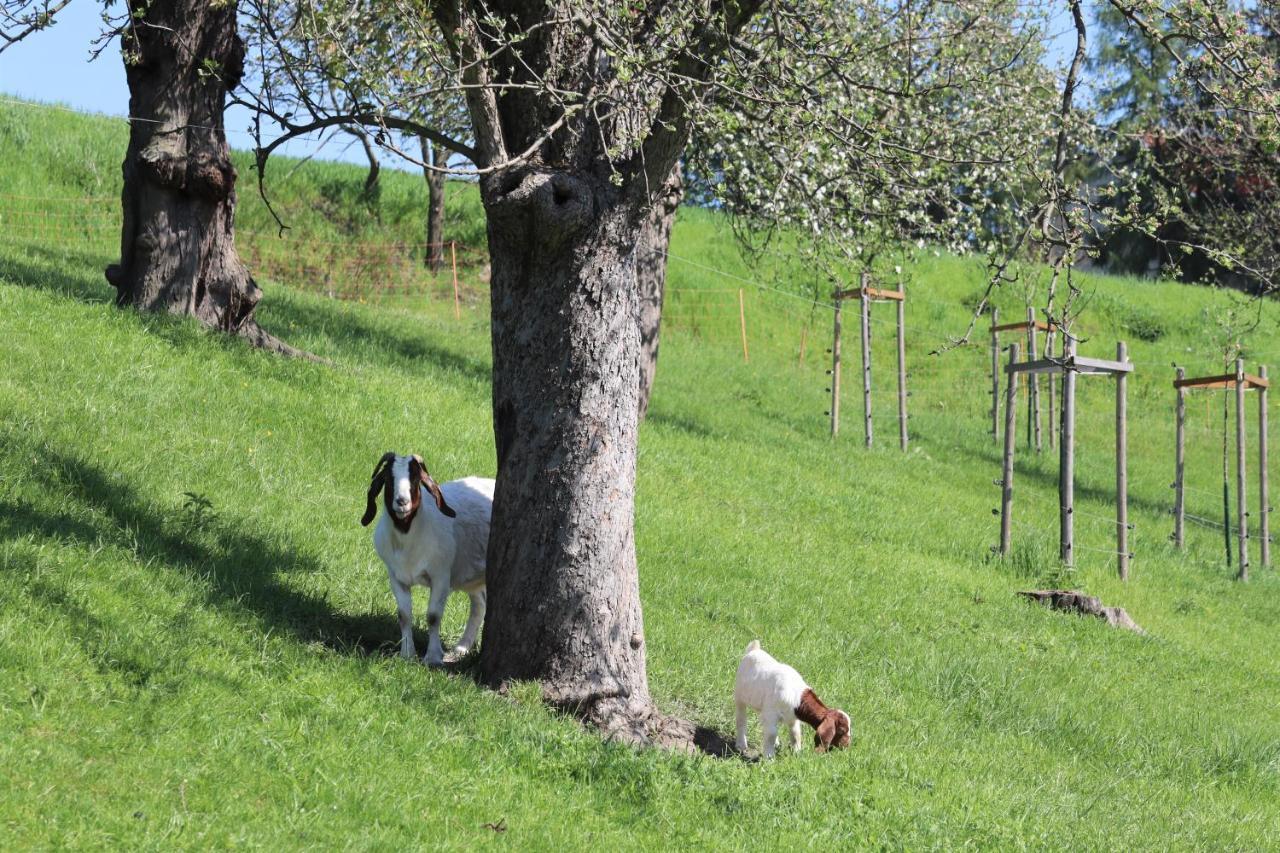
<point>53,66</point>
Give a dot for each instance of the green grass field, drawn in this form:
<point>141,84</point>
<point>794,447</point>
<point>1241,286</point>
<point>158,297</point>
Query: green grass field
<point>196,636</point>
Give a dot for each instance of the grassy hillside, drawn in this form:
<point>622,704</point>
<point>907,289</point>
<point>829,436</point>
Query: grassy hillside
<point>196,636</point>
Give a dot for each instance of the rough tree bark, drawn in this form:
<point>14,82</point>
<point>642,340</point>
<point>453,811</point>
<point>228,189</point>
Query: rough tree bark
<point>177,245</point>
<point>437,156</point>
<point>565,592</point>
<point>563,231</point>
<point>651,278</point>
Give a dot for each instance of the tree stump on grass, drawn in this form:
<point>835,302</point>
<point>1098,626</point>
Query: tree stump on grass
<point>1087,605</point>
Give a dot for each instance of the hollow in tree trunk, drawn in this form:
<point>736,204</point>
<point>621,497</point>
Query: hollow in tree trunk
<point>177,244</point>
<point>564,230</point>
<point>651,277</point>
<point>565,391</point>
<point>438,157</point>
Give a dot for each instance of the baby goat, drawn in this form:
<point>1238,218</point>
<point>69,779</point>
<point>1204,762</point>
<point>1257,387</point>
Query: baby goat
<point>442,548</point>
<point>780,695</point>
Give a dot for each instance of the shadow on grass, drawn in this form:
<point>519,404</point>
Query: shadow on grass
<point>241,566</point>
<point>350,333</point>
<point>78,275</point>
<point>1048,477</point>
<point>242,569</point>
<point>75,273</point>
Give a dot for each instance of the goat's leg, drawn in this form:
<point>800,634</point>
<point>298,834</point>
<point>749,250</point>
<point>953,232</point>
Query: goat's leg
<point>797,734</point>
<point>474,620</point>
<point>741,742</point>
<point>769,722</point>
<point>435,612</point>
<point>404,608</point>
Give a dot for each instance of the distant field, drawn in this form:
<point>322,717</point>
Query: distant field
<point>196,636</point>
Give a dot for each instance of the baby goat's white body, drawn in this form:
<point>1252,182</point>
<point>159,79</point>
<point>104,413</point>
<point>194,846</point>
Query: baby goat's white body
<point>441,553</point>
<point>774,690</point>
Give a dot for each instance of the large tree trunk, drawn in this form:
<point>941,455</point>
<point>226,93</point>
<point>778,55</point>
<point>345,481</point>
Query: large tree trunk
<point>563,589</point>
<point>651,277</point>
<point>177,245</point>
<point>564,231</point>
<point>437,156</point>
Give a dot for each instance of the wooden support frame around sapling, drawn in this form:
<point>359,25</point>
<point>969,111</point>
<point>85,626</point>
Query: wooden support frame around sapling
<point>1069,366</point>
<point>1239,381</point>
<point>866,296</point>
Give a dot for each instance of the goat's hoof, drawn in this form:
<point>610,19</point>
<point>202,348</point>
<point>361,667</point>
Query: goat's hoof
<point>461,650</point>
<point>434,663</point>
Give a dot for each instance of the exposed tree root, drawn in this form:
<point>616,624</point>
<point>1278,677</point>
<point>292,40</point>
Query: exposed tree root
<point>264,340</point>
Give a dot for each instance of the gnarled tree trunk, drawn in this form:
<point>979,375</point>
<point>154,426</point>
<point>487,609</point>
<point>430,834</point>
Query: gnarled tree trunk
<point>651,277</point>
<point>564,231</point>
<point>565,391</point>
<point>437,156</point>
<point>177,244</point>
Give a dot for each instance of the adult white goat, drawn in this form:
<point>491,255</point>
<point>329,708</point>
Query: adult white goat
<point>442,548</point>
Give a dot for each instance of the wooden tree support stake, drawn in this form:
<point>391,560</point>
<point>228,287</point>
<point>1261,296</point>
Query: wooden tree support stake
<point>453,262</point>
<point>1010,439</point>
<point>1033,386</point>
<point>1180,464</point>
<point>995,375</point>
<point>902,370</point>
<point>1122,466</point>
<point>1067,463</point>
<point>864,298</point>
<point>835,367</point>
<point>1264,498</point>
<point>1242,509</point>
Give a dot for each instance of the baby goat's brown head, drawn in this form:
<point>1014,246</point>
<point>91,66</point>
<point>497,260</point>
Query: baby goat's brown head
<point>398,478</point>
<point>833,731</point>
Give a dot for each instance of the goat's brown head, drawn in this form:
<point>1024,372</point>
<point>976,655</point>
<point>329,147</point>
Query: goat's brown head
<point>833,732</point>
<point>398,479</point>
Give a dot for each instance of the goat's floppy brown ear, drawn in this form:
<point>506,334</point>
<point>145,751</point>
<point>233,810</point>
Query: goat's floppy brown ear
<point>826,733</point>
<point>434,488</point>
<point>376,482</point>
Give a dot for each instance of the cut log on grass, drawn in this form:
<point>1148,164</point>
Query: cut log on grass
<point>1086,605</point>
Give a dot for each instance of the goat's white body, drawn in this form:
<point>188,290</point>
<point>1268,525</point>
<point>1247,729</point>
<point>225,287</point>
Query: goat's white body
<point>772,689</point>
<point>441,553</point>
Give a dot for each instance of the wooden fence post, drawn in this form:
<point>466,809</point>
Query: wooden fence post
<point>453,261</point>
<point>1122,466</point>
<point>995,375</point>
<point>1048,353</point>
<point>1179,465</point>
<point>1010,439</point>
<point>1033,384</point>
<point>1242,509</point>
<point>835,368</point>
<point>1264,499</point>
<point>1067,448</point>
<point>902,368</point>
<point>865,300</point>
<point>742,323</point>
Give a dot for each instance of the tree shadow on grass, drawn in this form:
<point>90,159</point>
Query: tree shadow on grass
<point>242,567</point>
<point>1049,479</point>
<point>351,333</point>
<point>242,570</point>
<point>75,273</point>
<point>78,275</point>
